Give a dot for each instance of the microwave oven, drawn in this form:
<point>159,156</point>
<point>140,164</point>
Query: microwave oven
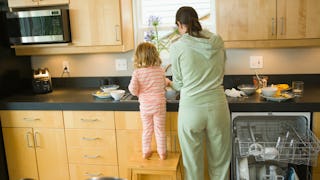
<point>38,26</point>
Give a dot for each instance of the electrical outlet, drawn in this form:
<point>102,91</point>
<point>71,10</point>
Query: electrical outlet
<point>121,65</point>
<point>65,66</point>
<point>256,62</point>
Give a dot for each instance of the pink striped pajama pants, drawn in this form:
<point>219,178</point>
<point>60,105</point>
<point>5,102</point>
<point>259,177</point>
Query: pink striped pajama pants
<point>154,120</point>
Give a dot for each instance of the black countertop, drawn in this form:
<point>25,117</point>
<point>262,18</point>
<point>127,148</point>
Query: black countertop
<point>80,97</point>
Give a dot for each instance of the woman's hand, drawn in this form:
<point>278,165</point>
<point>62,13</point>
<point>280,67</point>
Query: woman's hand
<point>168,82</point>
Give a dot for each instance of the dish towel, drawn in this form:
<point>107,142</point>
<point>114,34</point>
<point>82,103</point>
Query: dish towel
<point>234,93</point>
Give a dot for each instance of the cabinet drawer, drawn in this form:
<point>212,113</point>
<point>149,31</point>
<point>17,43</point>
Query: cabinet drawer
<point>27,118</point>
<point>90,138</point>
<point>89,119</point>
<point>83,172</point>
<point>102,156</point>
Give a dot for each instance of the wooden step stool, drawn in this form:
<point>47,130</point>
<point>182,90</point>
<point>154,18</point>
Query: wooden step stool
<point>137,166</point>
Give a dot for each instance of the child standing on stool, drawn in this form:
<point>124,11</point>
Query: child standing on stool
<point>148,83</point>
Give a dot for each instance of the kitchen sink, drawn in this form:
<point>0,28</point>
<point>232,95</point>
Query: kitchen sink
<point>131,98</point>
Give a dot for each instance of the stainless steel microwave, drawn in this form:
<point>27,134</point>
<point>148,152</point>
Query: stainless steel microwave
<point>38,26</point>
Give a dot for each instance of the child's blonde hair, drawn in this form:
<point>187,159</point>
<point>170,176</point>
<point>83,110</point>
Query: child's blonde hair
<point>146,55</point>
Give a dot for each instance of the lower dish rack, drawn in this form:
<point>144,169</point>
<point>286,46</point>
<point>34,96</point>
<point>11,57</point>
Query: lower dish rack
<point>281,141</point>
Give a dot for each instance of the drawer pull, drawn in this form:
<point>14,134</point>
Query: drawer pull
<point>91,157</point>
<point>93,174</point>
<point>30,145</point>
<point>31,119</point>
<point>36,139</point>
<point>89,120</point>
<point>90,139</point>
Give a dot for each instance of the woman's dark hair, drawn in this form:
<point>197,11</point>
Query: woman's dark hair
<point>188,16</point>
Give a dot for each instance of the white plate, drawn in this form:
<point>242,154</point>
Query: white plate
<point>101,94</point>
<point>278,98</point>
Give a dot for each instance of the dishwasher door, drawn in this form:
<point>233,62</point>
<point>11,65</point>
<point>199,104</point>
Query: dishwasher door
<point>272,145</point>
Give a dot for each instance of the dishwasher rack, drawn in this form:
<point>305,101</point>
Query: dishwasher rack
<point>272,140</point>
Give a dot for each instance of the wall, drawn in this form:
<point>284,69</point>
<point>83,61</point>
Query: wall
<point>275,61</point>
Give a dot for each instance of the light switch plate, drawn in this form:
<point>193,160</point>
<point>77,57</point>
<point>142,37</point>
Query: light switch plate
<point>256,62</point>
<point>121,65</point>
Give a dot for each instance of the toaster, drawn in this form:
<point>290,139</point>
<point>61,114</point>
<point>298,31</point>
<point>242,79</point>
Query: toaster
<point>41,82</point>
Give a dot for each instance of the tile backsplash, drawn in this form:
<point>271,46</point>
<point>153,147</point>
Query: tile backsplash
<point>275,61</point>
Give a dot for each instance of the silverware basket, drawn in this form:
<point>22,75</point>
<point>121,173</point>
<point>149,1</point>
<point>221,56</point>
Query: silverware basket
<point>272,140</point>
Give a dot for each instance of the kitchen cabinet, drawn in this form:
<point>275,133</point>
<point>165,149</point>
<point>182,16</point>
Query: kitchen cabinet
<point>268,23</point>
<point>91,144</point>
<point>96,27</point>
<point>316,131</point>
<point>35,144</point>
<point>129,130</point>
<point>35,3</point>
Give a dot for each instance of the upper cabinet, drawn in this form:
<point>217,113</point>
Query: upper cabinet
<point>34,3</point>
<point>95,22</point>
<point>268,23</point>
<point>97,26</point>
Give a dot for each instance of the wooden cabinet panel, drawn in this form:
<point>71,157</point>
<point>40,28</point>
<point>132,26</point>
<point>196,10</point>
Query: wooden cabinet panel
<point>268,23</point>
<point>20,153</point>
<point>26,118</point>
<point>246,19</point>
<point>99,22</point>
<point>83,172</point>
<point>87,155</point>
<point>89,119</point>
<point>90,138</point>
<point>91,144</point>
<point>316,131</point>
<point>51,153</point>
<point>35,3</point>
<point>37,152</point>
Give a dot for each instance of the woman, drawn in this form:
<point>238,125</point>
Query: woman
<point>198,60</point>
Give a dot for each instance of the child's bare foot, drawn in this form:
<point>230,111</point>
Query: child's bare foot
<point>147,155</point>
<point>163,156</point>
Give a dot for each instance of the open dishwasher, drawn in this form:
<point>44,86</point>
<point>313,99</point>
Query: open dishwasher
<point>273,146</point>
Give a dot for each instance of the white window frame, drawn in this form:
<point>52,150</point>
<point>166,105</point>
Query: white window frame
<point>138,24</point>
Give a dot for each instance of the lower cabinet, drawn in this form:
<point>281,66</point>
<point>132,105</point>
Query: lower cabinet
<point>129,130</point>
<point>91,144</point>
<point>316,131</point>
<point>35,144</point>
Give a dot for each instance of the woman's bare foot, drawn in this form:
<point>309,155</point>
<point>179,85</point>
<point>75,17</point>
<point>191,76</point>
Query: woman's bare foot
<point>147,155</point>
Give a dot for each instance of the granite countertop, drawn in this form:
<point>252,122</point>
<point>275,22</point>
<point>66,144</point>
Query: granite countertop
<point>82,99</point>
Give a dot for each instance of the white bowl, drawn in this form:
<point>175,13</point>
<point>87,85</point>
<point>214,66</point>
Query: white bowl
<point>247,88</point>
<point>108,88</point>
<point>269,91</point>
<point>171,93</point>
<point>117,94</point>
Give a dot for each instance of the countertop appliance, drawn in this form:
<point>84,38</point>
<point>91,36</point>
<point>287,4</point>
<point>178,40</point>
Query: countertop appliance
<point>41,82</point>
<point>272,145</point>
<point>38,26</point>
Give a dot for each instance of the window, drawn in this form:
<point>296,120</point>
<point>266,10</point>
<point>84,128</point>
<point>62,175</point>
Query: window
<point>166,11</point>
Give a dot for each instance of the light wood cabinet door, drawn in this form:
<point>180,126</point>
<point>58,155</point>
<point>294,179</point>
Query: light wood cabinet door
<point>51,153</point>
<point>20,153</point>
<point>95,22</point>
<point>298,19</point>
<point>268,23</point>
<point>32,152</point>
<point>34,3</point>
<point>246,19</point>
<point>316,131</point>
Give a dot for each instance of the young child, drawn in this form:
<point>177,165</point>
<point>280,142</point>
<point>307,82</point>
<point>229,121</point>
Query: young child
<point>148,83</point>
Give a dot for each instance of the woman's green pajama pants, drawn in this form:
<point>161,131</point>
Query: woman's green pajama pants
<point>212,122</point>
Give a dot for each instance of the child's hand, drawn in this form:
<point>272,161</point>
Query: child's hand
<point>168,82</point>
